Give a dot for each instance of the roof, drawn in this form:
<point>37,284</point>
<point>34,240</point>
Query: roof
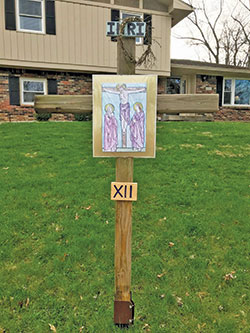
<point>199,67</point>
<point>179,10</point>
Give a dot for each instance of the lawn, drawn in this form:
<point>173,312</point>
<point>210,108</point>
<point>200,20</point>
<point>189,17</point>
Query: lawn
<point>191,227</point>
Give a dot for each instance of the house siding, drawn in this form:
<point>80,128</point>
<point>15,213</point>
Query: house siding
<point>80,43</point>
<point>67,84</point>
<point>207,84</point>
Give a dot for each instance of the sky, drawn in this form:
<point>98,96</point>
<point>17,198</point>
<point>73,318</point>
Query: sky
<point>180,48</point>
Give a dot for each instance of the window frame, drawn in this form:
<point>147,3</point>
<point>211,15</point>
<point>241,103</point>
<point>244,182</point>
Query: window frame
<point>22,80</point>
<point>141,39</point>
<point>232,101</point>
<point>18,27</point>
<point>232,91</point>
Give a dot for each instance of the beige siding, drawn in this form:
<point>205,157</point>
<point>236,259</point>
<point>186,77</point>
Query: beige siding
<point>80,42</point>
<point>153,5</point>
<point>127,3</point>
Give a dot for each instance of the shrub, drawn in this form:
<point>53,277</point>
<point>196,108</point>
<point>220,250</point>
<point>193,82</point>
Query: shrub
<point>83,116</point>
<point>43,116</point>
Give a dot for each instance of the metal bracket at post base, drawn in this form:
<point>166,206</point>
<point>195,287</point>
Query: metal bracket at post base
<point>124,313</point>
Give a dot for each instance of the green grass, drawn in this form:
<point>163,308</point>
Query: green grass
<point>57,256</point>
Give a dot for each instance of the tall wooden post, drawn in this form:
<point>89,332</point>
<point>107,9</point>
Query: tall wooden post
<point>124,65</point>
<point>123,309</point>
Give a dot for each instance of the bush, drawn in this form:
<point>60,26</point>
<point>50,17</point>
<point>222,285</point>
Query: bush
<point>43,116</point>
<point>83,116</point>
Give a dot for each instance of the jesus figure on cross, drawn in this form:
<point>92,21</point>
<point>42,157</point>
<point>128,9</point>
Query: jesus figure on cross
<point>123,91</point>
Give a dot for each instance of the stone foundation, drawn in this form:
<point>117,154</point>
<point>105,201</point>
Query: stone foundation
<point>224,114</point>
<point>230,114</point>
<point>186,117</point>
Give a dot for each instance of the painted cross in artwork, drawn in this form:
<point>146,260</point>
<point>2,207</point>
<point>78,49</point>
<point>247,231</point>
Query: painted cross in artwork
<point>124,109</point>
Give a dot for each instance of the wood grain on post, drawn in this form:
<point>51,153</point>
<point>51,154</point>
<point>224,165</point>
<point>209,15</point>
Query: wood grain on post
<point>63,103</point>
<point>184,103</point>
<point>124,65</point>
<point>123,234</point>
<point>124,173</point>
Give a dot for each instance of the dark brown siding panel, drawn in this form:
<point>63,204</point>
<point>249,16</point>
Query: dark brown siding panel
<point>52,87</point>
<point>10,15</point>
<point>14,90</point>
<point>115,16</point>
<point>148,21</point>
<point>50,17</point>
<point>219,88</point>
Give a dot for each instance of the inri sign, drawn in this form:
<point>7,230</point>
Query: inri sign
<point>132,29</point>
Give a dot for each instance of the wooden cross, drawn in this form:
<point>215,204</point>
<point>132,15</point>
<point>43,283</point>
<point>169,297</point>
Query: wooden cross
<point>166,104</point>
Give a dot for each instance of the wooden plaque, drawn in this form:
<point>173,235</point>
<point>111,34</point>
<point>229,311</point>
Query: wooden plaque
<point>123,191</point>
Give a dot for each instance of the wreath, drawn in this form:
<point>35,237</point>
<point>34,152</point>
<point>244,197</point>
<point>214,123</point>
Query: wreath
<point>147,58</point>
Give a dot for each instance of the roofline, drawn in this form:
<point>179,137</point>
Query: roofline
<point>200,67</point>
<point>179,10</point>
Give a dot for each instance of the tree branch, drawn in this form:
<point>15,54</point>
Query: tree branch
<point>243,4</point>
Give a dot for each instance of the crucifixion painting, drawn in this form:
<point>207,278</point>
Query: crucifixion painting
<point>124,115</point>
<point>124,108</point>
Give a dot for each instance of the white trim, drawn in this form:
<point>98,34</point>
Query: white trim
<point>140,42</point>
<point>43,18</point>
<point>232,103</point>
<point>233,92</point>
<point>23,79</point>
<point>223,91</point>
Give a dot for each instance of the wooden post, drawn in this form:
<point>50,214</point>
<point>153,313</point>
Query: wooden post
<point>124,65</point>
<point>123,227</point>
<point>123,233</point>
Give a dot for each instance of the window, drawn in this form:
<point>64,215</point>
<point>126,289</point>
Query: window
<point>30,15</point>
<point>236,92</point>
<point>176,86</point>
<point>30,88</point>
<point>139,40</point>
<point>242,92</point>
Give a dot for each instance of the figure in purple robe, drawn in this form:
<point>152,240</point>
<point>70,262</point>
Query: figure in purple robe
<point>110,129</point>
<point>137,128</point>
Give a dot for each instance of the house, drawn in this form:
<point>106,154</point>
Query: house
<point>54,46</point>
<point>230,82</point>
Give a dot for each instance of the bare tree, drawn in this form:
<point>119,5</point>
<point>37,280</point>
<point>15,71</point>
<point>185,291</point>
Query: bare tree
<point>233,45</point>
<point>224,37</point>
<point>243,23</point>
